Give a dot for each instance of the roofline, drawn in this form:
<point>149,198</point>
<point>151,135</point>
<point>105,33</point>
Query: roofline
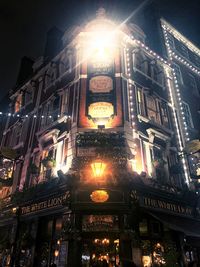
<point>180,37</point>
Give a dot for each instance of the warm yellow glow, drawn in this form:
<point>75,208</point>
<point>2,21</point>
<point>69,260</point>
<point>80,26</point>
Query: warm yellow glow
<point>100,45</point>
<point>101,84</point>
<point>146,260</point>
<point>105,241</point>
<point>56,253</point>
<point>99,196</point>
<point>148,159</point>
<point>101,110</point>
<point>14,210</point>
<point>98,168</point>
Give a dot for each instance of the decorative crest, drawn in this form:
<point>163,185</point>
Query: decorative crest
<point>101,13</point>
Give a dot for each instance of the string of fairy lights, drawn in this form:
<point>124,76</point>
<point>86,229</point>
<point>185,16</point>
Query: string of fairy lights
<point>167,65</point>
<point>130,96</point>
<point>130,92</point>
<point>172,55</point>
<point>14,115</point>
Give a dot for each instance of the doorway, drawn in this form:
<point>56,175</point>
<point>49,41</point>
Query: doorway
<point>100,251</point>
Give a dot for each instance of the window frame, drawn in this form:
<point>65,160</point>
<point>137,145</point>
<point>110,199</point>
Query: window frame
<point>191,124</point>
<point>184,51</point>
<point>193,84</point>
<point>179,77</point>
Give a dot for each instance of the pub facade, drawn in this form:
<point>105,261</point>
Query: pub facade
<point>94,171</point>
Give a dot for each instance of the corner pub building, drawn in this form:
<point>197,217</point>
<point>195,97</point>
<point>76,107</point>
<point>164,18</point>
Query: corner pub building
<point>93,171</point>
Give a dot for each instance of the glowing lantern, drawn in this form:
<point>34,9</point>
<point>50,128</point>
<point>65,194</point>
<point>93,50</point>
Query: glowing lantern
<point>98,168</point>
<point>56,253</point>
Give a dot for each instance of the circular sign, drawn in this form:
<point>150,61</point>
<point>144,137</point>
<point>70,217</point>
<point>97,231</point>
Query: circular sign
<point>99,196</point>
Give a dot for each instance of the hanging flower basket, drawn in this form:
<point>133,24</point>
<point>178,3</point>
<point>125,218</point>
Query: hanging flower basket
<point>49,162</point>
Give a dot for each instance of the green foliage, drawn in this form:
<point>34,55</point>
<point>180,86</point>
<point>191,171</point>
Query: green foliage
<point>49,162</point>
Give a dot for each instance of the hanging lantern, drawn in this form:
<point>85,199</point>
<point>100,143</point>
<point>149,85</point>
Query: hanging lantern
<point>56,253</point>
<point>98,168</point>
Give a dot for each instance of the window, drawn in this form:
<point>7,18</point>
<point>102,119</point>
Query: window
<point>50,111</point>
<point>156,73</point>
<point>178,74</point>
<point>194,164</point>
<point>187,114</point>
<point>56,107</point>
<point>152,109</point>
<point>28,96</point>
<point>164,114</point>
<point>17,134</point>
<point>18,103</point>
<point>65,63</point>
<point>193,84</point>
<point>139,61</point>
<point>197,61</point>
<point>49,118</point>
<point>24,130</point>
<point>171,41</point>
<point>141,102</point>
<point>184,51</point>
<point>48,163</point>
<point>50,75</point>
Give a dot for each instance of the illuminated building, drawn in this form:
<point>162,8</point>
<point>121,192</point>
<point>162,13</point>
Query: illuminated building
<point>97,151</point>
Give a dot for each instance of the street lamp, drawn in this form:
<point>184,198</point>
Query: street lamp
<point>98,168</point>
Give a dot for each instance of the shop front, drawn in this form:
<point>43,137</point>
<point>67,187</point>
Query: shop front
<point>100,240</point>
<point>40,234</point>
<point>168,231</point>
<point>5,244</point>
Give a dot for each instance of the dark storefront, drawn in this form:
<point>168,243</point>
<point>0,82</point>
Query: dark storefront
<point>78,229</point>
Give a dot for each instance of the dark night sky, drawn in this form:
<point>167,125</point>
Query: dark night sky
<point>24,23</point>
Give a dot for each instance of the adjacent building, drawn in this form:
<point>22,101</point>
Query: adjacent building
<point>93,159</point>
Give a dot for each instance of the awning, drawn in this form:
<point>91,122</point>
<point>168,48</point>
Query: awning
<point>188,226</point>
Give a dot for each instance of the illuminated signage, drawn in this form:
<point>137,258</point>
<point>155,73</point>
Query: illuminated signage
<point>46,204</point>
<point>101,110</point>
<point>100,223</point>
<point>99,196</point>
<point>160,204</point>
<point>101,84</point>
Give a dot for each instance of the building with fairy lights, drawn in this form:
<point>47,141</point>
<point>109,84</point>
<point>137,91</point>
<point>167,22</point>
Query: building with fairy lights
<point>97,152</point>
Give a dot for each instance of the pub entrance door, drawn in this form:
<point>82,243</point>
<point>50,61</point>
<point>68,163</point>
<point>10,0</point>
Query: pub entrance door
<point>100,251</point>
